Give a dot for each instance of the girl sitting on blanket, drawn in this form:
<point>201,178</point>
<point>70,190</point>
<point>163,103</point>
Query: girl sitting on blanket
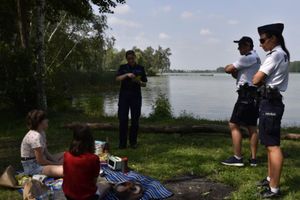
<point>35,157</point>
<point>81,167</point>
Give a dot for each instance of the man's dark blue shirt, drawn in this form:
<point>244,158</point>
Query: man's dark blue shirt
<point>128,85</point>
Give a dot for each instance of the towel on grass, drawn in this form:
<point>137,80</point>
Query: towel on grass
<point>153,189</point>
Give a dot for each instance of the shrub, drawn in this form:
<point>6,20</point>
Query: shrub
<point>161,108</point>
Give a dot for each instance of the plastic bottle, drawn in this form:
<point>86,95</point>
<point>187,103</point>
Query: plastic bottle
<point>125,165</point>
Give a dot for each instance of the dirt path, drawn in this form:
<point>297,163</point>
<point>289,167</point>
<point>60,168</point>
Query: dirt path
<point>195,188</point>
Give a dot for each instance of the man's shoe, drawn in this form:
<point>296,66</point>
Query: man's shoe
<point>233,161</point>
<point>253,162</point>
<point>268,194</point>
<point>263,183</point>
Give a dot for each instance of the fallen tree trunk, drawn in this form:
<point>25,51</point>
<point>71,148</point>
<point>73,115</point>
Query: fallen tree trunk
<point>291,136</point>
<point>205,128</point>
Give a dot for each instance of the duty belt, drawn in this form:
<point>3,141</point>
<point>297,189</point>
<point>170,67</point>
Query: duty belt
<point>247,91</point>
<point>269,93</point>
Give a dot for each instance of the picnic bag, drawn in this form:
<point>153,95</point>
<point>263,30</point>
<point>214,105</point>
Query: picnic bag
<point>33,189</point>
<point>8,179</point>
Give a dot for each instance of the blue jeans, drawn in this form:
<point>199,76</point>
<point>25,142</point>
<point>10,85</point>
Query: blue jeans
<point>31,167</point>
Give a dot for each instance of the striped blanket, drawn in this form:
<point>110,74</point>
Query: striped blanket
<point>152,188</point>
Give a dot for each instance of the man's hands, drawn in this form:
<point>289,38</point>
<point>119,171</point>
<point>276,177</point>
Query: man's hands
<point>230,69</point>
<point>130,75</point>
<point>133,77</point>
<point>124,76</point>
<point>234,74</point>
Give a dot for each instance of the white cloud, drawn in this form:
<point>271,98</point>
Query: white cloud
<point>162,9</point>
<point>122,9</point>
<point>166,8</point>
<point>213,40</point>
<point>140,36</point>
<point>187,15</point>
<point>142,41</point>
<point>122,22</point>
<point>233,22</point>
<point>163,36</point>
<point>215,16</point>
<point>205,31</point>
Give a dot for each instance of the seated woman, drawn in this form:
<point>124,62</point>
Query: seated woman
<point>81,167</point>
<point>35,157</point>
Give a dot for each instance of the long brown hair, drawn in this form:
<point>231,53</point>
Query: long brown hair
<point>34,118</point>
<point>83,141</point>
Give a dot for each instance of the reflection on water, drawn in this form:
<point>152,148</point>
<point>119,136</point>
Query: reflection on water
<point>210,97</point>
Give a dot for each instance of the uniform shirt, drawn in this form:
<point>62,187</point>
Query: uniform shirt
<point>80,173</point>
<point>31,141</point>
<point>128,85</point>
<point>247,66</point>
<point>276,67</point>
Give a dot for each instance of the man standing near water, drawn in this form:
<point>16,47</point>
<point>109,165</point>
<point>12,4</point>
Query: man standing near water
<point>132,77</point>
<point>245,112</point>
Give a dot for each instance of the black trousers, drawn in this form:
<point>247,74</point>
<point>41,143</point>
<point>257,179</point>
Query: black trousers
<point>132,102</point>
<point>270,115</point>
<point>245,112</point>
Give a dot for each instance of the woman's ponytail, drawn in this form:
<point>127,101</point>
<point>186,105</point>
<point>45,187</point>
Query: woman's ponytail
<point>282,44</point>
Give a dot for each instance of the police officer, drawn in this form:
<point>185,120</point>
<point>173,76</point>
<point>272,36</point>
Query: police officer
<point>132,77</point>
<point>273,76</point>
<point>245,112</point>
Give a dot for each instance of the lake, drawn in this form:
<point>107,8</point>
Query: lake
<point>208,96</point>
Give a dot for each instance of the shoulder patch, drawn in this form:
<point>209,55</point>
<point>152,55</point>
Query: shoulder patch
<point>271,52</point>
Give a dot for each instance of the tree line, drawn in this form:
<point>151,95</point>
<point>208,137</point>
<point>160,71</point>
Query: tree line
<point>295,66</point>
<point>47,46</point>
<point>156,61</point>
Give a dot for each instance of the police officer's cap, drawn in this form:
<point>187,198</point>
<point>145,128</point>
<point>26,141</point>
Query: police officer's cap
<point>244,40</point>
<point>276,29</point>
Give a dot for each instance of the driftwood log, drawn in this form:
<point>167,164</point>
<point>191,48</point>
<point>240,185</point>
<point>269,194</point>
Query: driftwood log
<point>183,129</point>
<point>291,136</point>
<point>204,128</point>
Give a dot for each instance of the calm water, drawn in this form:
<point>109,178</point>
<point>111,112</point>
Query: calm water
<point>210,97</point>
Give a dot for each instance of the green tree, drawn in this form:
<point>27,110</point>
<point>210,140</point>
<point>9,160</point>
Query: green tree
<point>23,24</point>
<point>295,66</point>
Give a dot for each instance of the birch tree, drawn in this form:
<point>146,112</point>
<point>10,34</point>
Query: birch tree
<point>40,55</point>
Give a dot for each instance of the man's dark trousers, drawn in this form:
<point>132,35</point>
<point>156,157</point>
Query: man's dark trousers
<point>133,102</point>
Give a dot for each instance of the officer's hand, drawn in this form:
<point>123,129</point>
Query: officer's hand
<point>130,75</point>
<point>234,74</point>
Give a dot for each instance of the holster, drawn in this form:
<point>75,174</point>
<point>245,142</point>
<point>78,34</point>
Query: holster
<point>248,93</point>
<point>272,94</point>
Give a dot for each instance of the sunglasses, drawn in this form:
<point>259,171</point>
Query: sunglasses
<point>263,40</point>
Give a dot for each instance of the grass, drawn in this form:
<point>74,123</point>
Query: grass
<point>162,156</point>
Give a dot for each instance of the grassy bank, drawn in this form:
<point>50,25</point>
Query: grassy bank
<point>162,156</point>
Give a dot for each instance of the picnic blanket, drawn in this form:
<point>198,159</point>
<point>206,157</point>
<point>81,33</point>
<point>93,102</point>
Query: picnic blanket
<point>153,189</point>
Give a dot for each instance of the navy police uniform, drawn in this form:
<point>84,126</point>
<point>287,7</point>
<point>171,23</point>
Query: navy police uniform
<point>130,98</point>
<point>271,106</point>
<point>245,111</point>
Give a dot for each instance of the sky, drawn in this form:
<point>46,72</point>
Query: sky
<point>200,33</point>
